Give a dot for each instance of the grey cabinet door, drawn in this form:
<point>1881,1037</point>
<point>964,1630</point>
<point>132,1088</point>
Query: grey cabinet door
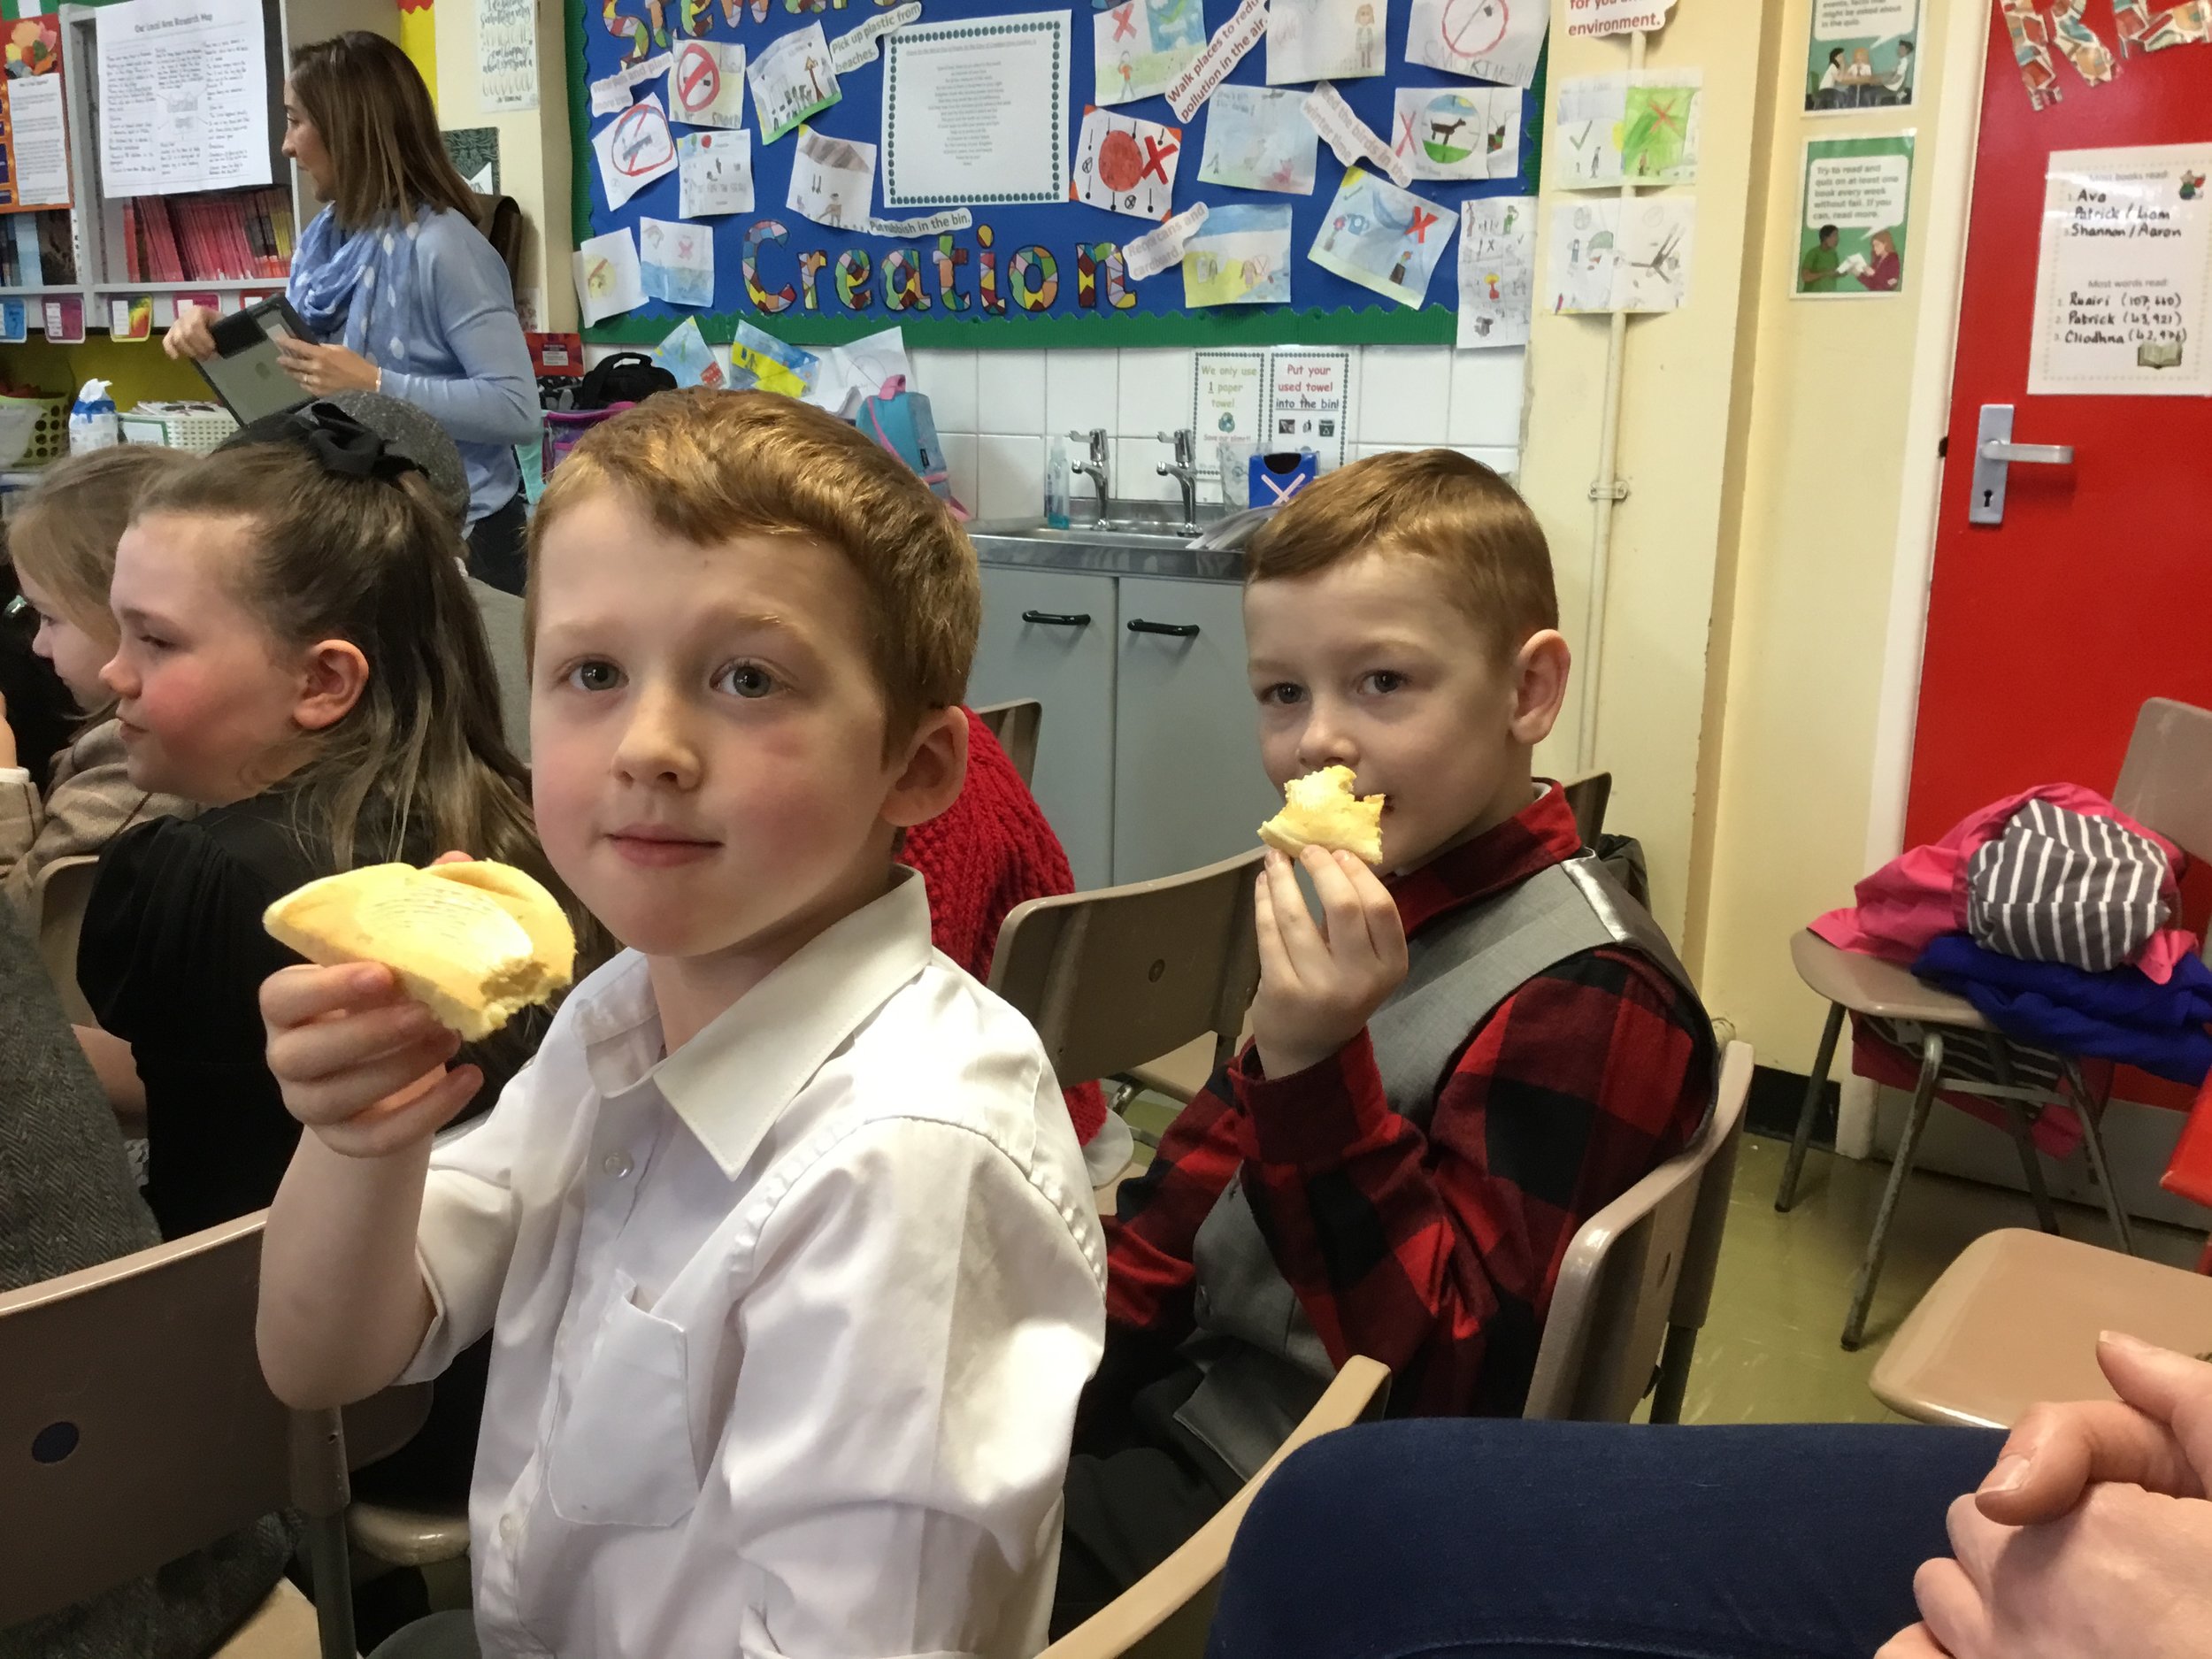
<point>1049,634</point>
<point>1189,790</point>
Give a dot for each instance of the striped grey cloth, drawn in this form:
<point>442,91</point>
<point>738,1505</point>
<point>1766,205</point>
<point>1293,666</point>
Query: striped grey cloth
<point>2061,887</point>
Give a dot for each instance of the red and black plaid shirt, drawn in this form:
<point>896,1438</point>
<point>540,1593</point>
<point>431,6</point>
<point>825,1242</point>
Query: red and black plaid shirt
<point>1434,1251</point>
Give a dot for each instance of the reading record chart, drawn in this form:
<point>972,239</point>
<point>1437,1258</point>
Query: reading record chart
<point>1145,172</point>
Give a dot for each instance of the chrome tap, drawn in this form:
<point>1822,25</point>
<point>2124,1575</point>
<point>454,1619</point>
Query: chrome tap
<point>1184,470</point>
<point>1094,468</point>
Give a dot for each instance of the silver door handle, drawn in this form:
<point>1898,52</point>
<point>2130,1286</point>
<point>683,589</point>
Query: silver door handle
<point>2032,454</point>
<point>1994,455</point>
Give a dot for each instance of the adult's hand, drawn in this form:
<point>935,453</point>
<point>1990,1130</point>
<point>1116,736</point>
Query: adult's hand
<point>322,369</point>
<point>2093,1534</point>
<point>189,336</point>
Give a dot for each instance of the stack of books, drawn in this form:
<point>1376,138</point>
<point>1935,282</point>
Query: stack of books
<point>241,236</point>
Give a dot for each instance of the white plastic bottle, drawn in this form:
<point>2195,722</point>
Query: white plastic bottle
<point>1058,478</point>
<point>93,424</point>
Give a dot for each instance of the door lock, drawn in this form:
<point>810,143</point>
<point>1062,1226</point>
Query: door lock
<point>1995,454</point>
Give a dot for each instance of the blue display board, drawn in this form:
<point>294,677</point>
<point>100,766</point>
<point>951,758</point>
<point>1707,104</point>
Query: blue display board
<point>1072,243</point>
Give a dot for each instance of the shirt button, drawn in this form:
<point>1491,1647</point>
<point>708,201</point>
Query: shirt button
<point>507,1528</point>
<point>617,1165</point>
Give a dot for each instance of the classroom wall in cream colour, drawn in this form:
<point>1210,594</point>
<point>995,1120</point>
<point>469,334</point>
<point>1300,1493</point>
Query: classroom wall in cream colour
<point>534,148</point>
<point>1791,755</point>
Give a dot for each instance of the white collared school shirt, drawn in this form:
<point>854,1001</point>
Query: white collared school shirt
<point>790,1324</point>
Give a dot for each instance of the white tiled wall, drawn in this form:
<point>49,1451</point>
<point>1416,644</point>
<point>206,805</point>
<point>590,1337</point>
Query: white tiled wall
<point>995,410</point>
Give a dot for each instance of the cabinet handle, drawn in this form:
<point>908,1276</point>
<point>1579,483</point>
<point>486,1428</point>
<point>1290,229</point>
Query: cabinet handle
<point>1056,620</point>
<point>1178,630</point>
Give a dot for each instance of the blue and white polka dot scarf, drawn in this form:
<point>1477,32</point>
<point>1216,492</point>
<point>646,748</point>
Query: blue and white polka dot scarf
<point>358,288</point>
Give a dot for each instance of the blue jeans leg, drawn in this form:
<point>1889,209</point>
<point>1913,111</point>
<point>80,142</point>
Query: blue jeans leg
<point>1531,1540</point>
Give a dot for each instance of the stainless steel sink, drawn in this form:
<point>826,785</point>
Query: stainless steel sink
<point>1115,532</point>
<point>1135,538</point>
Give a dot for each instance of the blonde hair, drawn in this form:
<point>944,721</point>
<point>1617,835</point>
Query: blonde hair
<point>64,536</point>
<point>708,465</point>
<point>1432,503</point>
<point>374,116</point>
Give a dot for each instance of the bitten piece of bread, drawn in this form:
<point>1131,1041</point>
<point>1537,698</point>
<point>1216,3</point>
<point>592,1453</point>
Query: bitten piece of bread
<point>475,942</point>
<point>1319,810</point>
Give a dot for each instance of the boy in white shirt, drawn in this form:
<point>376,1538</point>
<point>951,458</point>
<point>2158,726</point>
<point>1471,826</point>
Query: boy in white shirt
<point>783,1237</point>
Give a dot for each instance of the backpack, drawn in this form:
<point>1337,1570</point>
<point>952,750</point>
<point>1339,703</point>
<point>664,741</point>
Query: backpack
<point>901,421</point>
<point>627,377</point>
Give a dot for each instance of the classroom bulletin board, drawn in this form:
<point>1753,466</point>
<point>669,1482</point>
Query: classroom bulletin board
<point>1024,272</point>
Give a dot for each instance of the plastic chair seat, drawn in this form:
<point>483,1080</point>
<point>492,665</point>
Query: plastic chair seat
<point>2014,1320</point>
<point>406,1537</point>
<point>1867,984</point>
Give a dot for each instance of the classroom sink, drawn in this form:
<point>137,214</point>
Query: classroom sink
<point>1136,538</point>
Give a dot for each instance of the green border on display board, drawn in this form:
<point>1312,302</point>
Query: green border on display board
<point>1428,325</point>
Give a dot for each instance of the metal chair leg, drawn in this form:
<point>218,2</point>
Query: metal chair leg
<point>2031,1165</point>
<point>1674,1374</point>
<point>1810,1110</point>
<point>1870,1268</point>
<point>2093,1148</point>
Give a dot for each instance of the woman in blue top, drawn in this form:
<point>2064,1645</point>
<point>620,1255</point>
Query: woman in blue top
<point>406,297</point>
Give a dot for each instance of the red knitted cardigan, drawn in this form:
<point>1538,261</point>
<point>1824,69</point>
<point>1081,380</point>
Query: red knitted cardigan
<point>989,852</point>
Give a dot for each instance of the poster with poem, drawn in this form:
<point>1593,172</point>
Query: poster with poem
<point>507,55</point>
<point>184,96</point>
<point>976,114</point>
<point>2124,276</point>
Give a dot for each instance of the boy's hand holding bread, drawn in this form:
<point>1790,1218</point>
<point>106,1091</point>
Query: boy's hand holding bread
<point>411,962</point>
<point>1320,984</point>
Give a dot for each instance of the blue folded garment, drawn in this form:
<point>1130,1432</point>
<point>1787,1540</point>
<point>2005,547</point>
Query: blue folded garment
<point>2121,1015</point>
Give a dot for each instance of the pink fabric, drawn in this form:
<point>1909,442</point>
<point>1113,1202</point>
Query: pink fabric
<point>1922,893</point>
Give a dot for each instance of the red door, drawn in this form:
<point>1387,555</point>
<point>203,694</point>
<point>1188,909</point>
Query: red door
<point>2046,631</point>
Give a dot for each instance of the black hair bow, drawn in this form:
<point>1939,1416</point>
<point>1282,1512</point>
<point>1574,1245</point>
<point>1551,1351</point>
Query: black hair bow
<point>346,446</point>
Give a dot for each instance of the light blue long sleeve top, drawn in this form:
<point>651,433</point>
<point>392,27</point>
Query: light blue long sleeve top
<point>469,366</point>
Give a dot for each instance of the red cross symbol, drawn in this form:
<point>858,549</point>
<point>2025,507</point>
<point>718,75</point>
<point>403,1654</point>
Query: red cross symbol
<point>1421,223</point>
<point>1405,129</point>
<point>1124,28</point>
<point>1155,155</point>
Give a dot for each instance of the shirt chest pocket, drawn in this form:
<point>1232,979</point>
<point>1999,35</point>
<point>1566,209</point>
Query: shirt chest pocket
<point>622,1454</point>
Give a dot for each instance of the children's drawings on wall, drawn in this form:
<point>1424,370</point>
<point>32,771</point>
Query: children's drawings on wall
<point>676,262</point>
<point>1324,40</point>
<point>1497,272</point>
<point>633,149</point>
<point>1241,257</point>
<point>1352,140</point>
<point>685,354</point>
<point>1125,165</point>
<point>760,360</point>
<point>1246,27</point>
<point>856,47</point>
<point>1156,250</point>
<point>706,84</point>
<point>714,175</point>
<point>1640,127</point>
<point>606,273</point>
<point>1621,255</point>
<point>833,179</point>
<point>1489,40</point>
<point>1142,47</point>
<point>1258,139</point>
<point>792,82</point>
<point>1382,237</point>
<point>1443,132</point>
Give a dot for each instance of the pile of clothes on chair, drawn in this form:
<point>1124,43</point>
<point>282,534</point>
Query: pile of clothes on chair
<point>2055,915</point>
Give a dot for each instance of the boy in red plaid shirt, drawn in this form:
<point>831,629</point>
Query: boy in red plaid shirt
<point>1466,1058</point>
